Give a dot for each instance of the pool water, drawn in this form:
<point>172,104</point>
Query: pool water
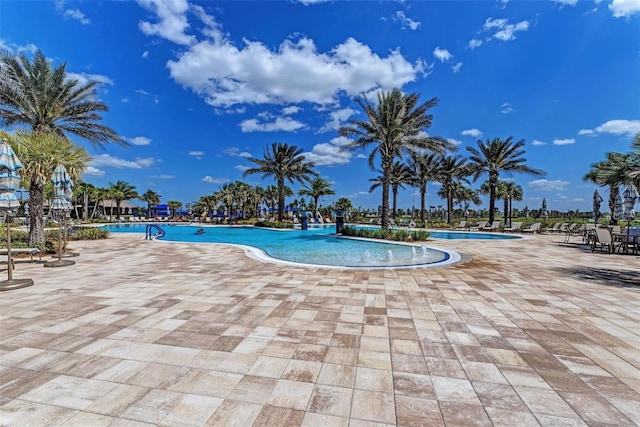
<point>317,246</point>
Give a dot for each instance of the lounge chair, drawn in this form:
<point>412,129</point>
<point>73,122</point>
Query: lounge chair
<point>603,238</point>
<point>515,226</point>
<point>480,226</point>
<point>533,228</point>
<point>494,226</point>
<point>556,228</point>
<point>29,251</point>
<point>462,226</point>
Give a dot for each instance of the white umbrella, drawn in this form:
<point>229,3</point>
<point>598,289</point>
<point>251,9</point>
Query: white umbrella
<point>10,165</point>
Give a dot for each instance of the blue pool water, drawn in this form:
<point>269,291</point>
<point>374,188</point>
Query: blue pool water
<point>317,246</point>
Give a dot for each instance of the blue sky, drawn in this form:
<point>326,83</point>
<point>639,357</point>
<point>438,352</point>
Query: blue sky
<point>198,87</point>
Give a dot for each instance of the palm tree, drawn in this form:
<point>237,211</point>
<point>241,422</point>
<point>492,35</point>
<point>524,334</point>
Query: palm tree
<point>271,197</point>
<point>317,188</point>
<point>82,194</point>
<point>227,196</point>
<point>423,167</point>
<point>449,171</point>
<point>121,191</point>
<point>151,198</point>
<point>207,203</point>
<point>343,204</point>
<point>285,163</point>
<point>40,154</point>
<point>400,175</point>
<point>496,156</point>
<point>98,195</point>
<point>46,100</point>
<point>173,206</point>
<point>507,191</point>
<point>396,125</point>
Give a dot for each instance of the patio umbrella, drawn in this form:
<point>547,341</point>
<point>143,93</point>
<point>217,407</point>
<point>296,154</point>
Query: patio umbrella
<point>62,186</point>
<point>597,199</point>
<point>618,208</point>
<point>9,182</point>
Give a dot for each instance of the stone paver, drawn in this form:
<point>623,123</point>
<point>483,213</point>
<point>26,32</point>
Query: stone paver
<point>529,332</point>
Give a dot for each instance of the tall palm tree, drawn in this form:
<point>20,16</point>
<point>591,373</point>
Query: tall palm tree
<point>284,163</point>
<point>450,171</point>
<point>99,194</point>
<point>496,156</point>
<point>317,188</point>
<point>45,99</point>
<point>82,193</point>
<point>227,196</point>
<point>617,170</point>
<point>173,206</point>
<point>395,125</point>
<point>40,154</point>
<point>271,197</point>
<point>400,175</point>
<point>507,191</point>
<point>151,198</point>
<point>207,203</point>
<point>423,167</point>
<point>121,191</point>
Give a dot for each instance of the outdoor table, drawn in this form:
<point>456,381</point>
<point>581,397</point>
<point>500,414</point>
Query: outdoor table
<point>631,239</point>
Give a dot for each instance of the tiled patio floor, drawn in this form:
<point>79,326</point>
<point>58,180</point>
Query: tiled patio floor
<point>138,332</point>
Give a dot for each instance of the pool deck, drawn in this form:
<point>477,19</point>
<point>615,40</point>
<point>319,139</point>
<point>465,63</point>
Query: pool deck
<point>530,332</point>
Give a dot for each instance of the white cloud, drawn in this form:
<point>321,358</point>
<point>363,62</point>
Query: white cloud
<point>163,176</point>
<point>361,156</point>
<point>285,124</point>
<point>546,185</point>
<point>442,54</point>
<point>537,142</point>
<point>145,54</point>
<point>405,21</point>
<point>94,171</point>
<point>567,141</point>
<point>454,141</point>
<point>456,68</point>
<point>225,74</point>
<point>476,133</point>
<point>620,127</point>
<point>624,8</point>
<point>242,168</point>
<point>124,99</point>
<point>506,108</point>
<point>138,140</point>
<point>15,48</point>
<point>474,43</point>
<point>212,180</point>
<point>503,30</point>
<point>308,2</point>
<point>115,162</point>
<point>330,153</point>
<point>566,2</point>
<point>293,109</point>
<point>336,119</point>
<point>71,13</point>
<point>197,154</point>
<point>172,20</point>
<point>587,132</point>
<point>84,78</point>
<point>235,152</point>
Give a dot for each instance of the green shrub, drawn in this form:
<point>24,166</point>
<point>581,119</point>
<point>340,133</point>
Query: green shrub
<point>386,234</point>
<point>87,233</point>
<point>274,224</point>
<point>19,238</point>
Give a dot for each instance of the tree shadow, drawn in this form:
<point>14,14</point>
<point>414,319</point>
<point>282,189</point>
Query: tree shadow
<point>605,276</point>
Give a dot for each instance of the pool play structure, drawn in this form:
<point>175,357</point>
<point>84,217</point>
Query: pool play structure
<point>316,246</point>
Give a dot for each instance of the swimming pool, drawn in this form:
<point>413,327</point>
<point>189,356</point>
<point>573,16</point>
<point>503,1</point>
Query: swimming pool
<point>316,246</point>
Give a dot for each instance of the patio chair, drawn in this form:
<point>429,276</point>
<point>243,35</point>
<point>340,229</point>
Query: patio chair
<point>603,238</point>
<point>533,228</point>
<point>494,226</point>
<point>462,226</point>
<point>556,228</point>
<point>515,226</point>
<point>480,226</point>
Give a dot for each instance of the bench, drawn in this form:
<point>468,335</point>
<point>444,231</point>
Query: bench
<point>16,251</point>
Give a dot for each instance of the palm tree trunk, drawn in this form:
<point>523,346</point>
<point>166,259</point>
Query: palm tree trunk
<point>280,200</point>
<point>85,206</point>
<point>506,208</point>
<point>449,206</point>
<point>36,214</point>
<point>493,180</point>
<point>613,194</point>
<point>386,174</point>
<point>423,201</point>
<point>394,188</point>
